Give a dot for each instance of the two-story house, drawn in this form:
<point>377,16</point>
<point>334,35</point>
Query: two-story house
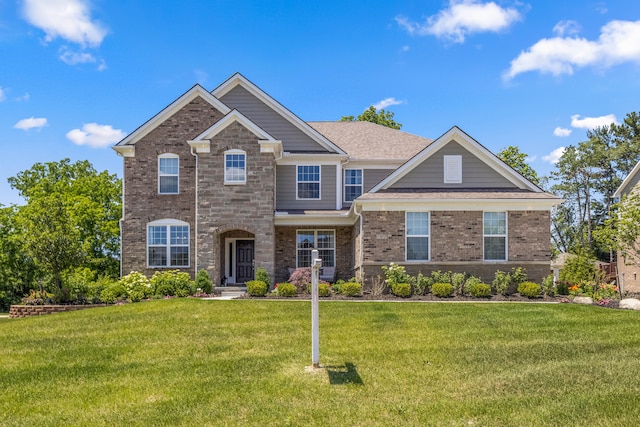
<point>230,180</point>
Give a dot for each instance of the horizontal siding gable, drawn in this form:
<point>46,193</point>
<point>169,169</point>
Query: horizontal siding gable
<point>293,139</point>
<point>475,172</point>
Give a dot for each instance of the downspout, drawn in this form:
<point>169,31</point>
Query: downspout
<point>361,260</point>
<point>195,243</point>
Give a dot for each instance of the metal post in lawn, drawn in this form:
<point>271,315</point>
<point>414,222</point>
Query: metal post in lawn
<point>315,332</point>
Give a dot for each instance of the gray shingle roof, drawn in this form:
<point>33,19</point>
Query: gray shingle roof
<point>370,141</point>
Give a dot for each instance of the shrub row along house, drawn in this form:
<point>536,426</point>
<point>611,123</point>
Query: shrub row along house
<point>231,180</point>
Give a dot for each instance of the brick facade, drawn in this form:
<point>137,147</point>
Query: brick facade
<point>142,203</point>
<point>286,251</point>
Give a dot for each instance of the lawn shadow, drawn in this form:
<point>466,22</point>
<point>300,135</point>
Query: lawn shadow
<point>347,374</point>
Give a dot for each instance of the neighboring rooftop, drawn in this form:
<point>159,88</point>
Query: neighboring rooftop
<point>370,141</point>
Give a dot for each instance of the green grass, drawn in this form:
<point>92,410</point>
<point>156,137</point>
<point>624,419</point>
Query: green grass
<point>190,362</point>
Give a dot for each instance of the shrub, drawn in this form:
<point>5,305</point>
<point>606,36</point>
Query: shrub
<point>324,290</point>
<point>422,284</point>
<point>501,282</point>
<point>172,282</point>
<point>263,276</point>
<point>518,275</point>
<point>401,290</point>
<point>469,283</point>
<point>529,289</point>
<point>115,292</point>
<point>457,280</point>
<point>395,273</point>
<point>440,277</point>
<point>548,287</point>
<point>76,283</point>
<point>257,288</point>
<point>378,286</point>
<point>579,268</point>
<point>605,291</point>
<point>351,289</point>
<point>480,290</point>
<point>38,298</point>
<point>562,288</point>
<point>285,289</point>
<point>137,285</point>
<point>300,278</point>
<point>442,290</point>
<point>203,281</point>
<point>321,284</point>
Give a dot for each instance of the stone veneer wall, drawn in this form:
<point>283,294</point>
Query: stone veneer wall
<point>39,310</point>
<point>224,208</point>
<point>457,243</point>
<point>142,203</point>
<point>286,250</point>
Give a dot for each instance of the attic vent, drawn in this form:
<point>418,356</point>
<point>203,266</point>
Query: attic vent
<point>452,169</point>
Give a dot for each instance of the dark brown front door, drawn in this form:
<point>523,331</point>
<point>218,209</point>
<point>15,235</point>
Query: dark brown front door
<point>244,261</point>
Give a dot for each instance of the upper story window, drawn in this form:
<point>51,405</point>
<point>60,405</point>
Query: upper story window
<point>495,236</point>
<point>352,184</point>
<point>417,236</point>
<point>322,240</point>
<point>168,173</point>
<point>308,182</point>
<point>453,169</point>
<point>168,243</point>
<point>235,167</point>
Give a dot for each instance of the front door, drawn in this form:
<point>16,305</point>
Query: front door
<point>244,261</point>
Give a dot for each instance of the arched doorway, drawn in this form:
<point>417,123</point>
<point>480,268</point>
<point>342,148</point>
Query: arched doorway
<point>238,253</point>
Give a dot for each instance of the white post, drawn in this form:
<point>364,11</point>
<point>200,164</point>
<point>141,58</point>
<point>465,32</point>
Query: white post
<point>315,332</point>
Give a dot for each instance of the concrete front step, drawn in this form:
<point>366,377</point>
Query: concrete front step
<point>230,292</point>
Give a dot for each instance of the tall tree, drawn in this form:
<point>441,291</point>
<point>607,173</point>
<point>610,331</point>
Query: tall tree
<point>381,117</point>
<point>518,161</point>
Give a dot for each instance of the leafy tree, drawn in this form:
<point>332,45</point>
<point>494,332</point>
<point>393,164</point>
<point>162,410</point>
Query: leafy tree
<point>381,117</point>
<point>71,217</point>
<point>622,230</point>
<point>518,161</point>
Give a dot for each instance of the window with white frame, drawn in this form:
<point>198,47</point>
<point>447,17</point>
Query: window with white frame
<point>308,182</point>
<point>417,236</point>
<point>168,173</point>
<point>495,236</point>
<point>235,167</point>
<point>453,169</point>
<point>352,184</point>
<point>322,240</point>
<point>168,243</point>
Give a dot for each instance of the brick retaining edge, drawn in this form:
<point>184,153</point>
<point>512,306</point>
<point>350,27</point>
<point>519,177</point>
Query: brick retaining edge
<point>16,311</point>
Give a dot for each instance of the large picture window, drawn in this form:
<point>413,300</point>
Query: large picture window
<point>235,167</point>
<point>308,182</point>
<point>322,240</point>
<point>352,184</point>
<point>495,236</point>
<point>168,173</point>
<point>168,244</point>
<point>417,236</point>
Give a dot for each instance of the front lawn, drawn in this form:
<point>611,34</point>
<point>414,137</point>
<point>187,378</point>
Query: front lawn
<point>192,362</point>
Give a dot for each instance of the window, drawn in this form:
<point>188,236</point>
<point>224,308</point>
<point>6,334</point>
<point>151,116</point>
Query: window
<point>322,240</point>
<point>495,236</point>
<point>235,167</point>
<point>168,244</point>
<point>168,173</point>
<point>417,235</point>
<point>352,184</point>
<point>308,180</point>
<point>452,169</point>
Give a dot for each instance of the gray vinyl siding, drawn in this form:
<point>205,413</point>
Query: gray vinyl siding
<point>286,184</point>
<point>633,183</point>
<point>475,173</point>
<point>370,178</point>
<point>293,139</point>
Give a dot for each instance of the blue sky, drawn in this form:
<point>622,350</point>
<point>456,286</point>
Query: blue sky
<point>76,76</point>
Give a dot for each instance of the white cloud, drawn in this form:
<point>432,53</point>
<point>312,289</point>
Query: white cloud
<point>562,132</point>
<point>463,17</point>
<point>530,159</point>
<point>554,156</point>
<point>24,97</point>
<point>70,57</point>
<point>2,94</point>
<point>592,122</point>
<point>566,27</point>
<point>67,19</point>
<point>386,103</point>
<point>30,123</point>
<point>95,135</point>
<point>619,42</point>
